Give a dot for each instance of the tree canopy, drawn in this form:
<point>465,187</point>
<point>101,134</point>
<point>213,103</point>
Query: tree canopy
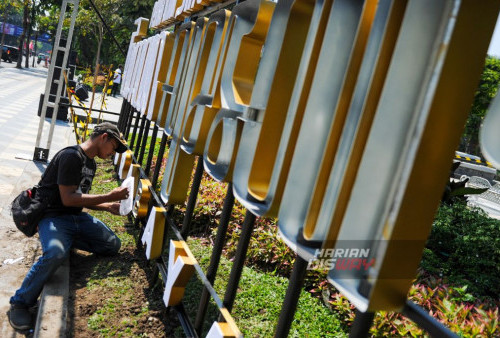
<point>119,16</point>
<point>486,91</point>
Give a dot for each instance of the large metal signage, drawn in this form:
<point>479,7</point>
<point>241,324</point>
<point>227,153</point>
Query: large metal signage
<point>329,115</point>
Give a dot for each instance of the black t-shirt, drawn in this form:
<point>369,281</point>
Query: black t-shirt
<point>69,167</point>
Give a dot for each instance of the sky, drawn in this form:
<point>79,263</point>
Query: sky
<point>494,49</point>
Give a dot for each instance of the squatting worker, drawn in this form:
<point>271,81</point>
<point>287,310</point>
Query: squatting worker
<point>64,225</point>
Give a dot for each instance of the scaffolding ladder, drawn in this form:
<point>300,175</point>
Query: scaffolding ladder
<point>71,6</point>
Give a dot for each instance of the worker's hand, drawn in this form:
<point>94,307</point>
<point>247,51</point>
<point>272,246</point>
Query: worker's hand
<point>118,194</point>
<point>114,208</point>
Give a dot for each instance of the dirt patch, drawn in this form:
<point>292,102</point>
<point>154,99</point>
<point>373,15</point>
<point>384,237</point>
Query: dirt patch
<point>112,296</point>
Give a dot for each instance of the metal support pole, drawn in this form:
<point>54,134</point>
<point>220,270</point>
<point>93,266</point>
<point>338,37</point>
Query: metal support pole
<point>126,118</point>
<point>137,146</point>
<point>154,273</point>
<point>292,297</point>
<point>220,239</point>
<point>170,210</point>
<point>362,323</point>
<point>144,141</point>
<point>151,149</point>
<point>186,324</point>
<point>159,160</point>
<point>239,260</point>
<point>121,117</point>
<point>136,124</point>
<point>193,195</point>
<point>130,115</point>
<point>137,221</point>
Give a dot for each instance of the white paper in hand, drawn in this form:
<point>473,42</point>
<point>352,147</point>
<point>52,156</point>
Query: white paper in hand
<point>126,205</point>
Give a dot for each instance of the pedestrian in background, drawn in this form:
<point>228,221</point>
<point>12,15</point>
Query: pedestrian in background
<point>117,80</point>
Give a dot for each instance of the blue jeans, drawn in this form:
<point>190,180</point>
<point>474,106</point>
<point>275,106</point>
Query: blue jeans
<point>57,236</point>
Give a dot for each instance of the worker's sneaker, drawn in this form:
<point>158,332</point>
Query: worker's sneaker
<point>20,317</point>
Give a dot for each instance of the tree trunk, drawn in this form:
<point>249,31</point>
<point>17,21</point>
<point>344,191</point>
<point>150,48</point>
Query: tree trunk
<point>34,52</point>
<point>21,38</point>
<point>3,32</point>
<point>27,60</point>
<point>31,18</point>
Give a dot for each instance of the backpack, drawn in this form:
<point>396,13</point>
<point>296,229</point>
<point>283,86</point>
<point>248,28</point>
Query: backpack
<point>27,210</point>
<point>28,207</point>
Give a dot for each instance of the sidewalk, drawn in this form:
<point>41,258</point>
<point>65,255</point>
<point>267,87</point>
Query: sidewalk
<point>20,91</point>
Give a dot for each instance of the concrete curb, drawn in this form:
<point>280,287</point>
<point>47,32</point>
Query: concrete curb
<point>53,309</point>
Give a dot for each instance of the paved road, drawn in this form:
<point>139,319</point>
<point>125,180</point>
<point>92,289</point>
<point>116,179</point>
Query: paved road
<point>19,96</point>
<point>20,91</point>
<point>490,207</point>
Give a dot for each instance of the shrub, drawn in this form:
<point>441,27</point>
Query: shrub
<point>464,248</point>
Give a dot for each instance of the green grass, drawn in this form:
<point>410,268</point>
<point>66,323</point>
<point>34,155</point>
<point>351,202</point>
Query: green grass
<point>258,303</point>
<point>261,293</point>
<point>112,276</point>
<point>259,300</point>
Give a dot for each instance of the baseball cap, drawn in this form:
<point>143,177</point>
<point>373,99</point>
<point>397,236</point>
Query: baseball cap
<point>112,131</point>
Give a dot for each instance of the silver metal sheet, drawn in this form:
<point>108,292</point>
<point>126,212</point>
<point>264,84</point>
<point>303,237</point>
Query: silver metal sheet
<point>156,80</point>
<point>199,116</point>
<point>179,164</point>
<point>278,68</point>
<point>187,33</point>
<point>174,72</point>
<point>219,157</point>
<point>146,84</point>
<point>418,55</point>
<point>319,115</point>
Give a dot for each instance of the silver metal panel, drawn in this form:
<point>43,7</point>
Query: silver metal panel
<point>349,133</point>
<point>174,71</point>
<point>194,138</point>
<point>288,17</point>
<point>138,70</point>
<point>174,187</point>
<point>489,135</point>
<point>128,69</point>
<point>132,55</point>
<point>156,77</point>
<point>294,118</point>
<point>419,51</point>
<point>133,75</point>
<point>142,75</point>
<point>183,96</point>
<point>218,164</point>
<point>182,68</point>
<point>326,91</point>
<point>149,71</point>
